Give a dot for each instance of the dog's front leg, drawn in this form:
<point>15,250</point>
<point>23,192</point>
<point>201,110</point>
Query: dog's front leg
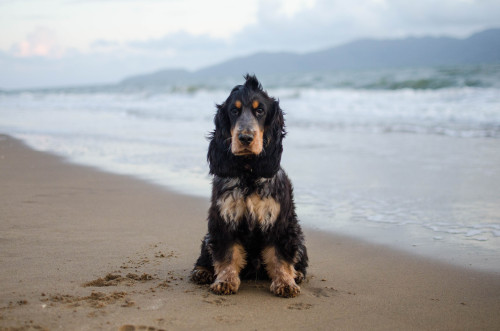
<point>282,274</point>
<point>203,271</point>
<point>227,270</point>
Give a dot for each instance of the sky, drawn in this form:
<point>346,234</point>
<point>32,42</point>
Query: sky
<point>47,43</point>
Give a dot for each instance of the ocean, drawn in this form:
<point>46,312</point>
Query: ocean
<point>408,158</point>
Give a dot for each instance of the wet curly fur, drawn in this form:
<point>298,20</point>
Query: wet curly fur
<point>253,231</point>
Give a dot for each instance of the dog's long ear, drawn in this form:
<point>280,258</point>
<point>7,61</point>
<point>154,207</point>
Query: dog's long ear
<point>269,161</point>
<point>219,157</point>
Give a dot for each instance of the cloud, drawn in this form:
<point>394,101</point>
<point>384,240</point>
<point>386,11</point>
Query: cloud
<point>444,17</point>
<point>326,23</point>
<point>104,44</point>
<point>180,41</point>
<point>276,25</point>
<point>41,42</point>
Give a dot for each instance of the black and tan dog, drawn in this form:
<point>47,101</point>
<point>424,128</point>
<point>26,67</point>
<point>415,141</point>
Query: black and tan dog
<point>253,231</point>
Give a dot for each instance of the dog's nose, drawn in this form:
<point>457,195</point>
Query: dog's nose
<point>245,138</point>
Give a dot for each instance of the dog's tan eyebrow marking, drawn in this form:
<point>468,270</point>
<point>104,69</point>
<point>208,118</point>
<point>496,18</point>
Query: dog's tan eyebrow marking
<point>237,103</point>
<point>255,104</point>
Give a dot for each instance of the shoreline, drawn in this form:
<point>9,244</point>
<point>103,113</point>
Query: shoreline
<point>422,202</point>
<point>65,225</point>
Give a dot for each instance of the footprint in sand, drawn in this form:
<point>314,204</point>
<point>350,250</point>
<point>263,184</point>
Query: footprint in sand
<point>227,319</point>
<point>129,327</point>
<point>300,306</point>
<point>218,301</point>
<point>319,292</point>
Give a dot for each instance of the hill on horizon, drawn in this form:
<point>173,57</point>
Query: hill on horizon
<point>481,47</point>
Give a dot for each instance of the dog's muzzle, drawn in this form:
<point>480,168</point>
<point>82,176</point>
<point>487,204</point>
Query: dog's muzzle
<point>246,136</point>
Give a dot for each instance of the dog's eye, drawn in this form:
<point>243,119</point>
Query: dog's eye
<point>259,111</point>
<point>234,111</point>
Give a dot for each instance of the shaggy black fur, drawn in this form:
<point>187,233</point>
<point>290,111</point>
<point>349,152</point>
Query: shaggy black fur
<point>240,177</point>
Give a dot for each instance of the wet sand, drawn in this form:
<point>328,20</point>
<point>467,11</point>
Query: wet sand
<point>84,250</point>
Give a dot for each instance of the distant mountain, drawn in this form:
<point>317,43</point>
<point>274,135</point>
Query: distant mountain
<point>482,47</point>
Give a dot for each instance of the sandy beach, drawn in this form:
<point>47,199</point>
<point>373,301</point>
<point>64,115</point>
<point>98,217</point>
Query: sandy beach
<point>85,250</point>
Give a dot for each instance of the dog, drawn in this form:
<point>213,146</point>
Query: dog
<point>253,230</point>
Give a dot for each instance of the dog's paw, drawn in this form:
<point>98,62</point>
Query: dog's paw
<point>224,287</point>
<point>202,275</point>
<point>299,277</point>
<point>285,290</point>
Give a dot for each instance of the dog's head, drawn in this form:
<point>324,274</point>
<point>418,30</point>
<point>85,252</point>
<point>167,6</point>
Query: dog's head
<point>249,129</point>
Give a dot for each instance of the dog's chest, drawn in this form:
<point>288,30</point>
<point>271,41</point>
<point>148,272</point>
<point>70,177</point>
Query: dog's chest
<point>258,208</point>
